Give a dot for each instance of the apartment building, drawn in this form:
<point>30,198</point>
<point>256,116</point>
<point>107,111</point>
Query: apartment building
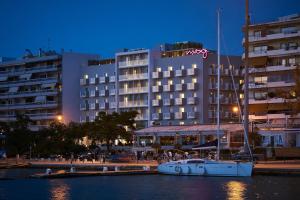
<point>274,55</point>
<point>174,84</point>
<point>41,86</point>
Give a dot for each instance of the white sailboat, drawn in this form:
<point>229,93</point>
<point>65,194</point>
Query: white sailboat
<point>205,167</point>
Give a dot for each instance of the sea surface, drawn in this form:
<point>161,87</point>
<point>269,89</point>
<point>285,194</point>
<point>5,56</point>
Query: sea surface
<point>15,184</point>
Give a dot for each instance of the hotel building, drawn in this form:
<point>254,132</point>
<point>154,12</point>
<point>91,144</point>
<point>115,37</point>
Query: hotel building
<point>174,84</point>
<point>41,86</point>
<point>274,55</point>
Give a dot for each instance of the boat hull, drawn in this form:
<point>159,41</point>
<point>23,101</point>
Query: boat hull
<point>212,168</point>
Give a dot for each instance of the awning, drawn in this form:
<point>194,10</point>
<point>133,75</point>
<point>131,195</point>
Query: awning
<point>25,76</point>
<point>48,85</point>
<point>3,78</point>
<point>259,61</point>
<point>13,89</point>
<point>40,99</point>
<point>209,145</point>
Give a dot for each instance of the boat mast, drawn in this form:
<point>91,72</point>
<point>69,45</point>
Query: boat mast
<point>218,87</point>
<point>246,83</point>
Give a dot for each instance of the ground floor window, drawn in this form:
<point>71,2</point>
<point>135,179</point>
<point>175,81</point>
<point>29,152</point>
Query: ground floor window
<point>167,140</point>
<point>190,140</point>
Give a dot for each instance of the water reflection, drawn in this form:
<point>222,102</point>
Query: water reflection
<point>59,190</point>
<point>235,190</point>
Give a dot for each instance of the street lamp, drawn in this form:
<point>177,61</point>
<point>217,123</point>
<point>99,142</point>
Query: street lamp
<point>235,109</point>
<point>59,118</point>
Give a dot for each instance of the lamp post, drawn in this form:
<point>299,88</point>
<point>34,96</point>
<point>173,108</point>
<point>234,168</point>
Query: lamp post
<point>235,109</point>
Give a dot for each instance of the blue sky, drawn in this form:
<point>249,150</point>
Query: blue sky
<point>106,26</point>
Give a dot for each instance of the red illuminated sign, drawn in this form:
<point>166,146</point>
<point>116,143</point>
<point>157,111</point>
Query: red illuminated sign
<point>204,52</point>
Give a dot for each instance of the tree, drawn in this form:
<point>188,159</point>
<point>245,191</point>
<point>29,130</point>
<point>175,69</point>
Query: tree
<point>18,136</point>
<point>109,127</point>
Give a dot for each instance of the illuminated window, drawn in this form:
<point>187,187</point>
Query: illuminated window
<point>171,96</point>
<point>194,66</point>
<point>170,82</point>
<point>106,75</point>
<point>195,94</point>
<point>195,109</point>
<point>181,123</point>
<point>182,67</point>
<point>194,80</point>
<point>181,95</point>
<point>181,109</point>
<point>158,96</point>
<point>97,100</point>
<point>96,87</point>
<point>96,75</point>
<point>158,69</point>
<point>241,96</point>
<point>159,110</point>
<point>86,76</point>
<point>182,81</point>
<point>158,82</point>
<point>170,68</point>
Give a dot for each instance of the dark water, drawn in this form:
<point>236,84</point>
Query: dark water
<point>147,187</point>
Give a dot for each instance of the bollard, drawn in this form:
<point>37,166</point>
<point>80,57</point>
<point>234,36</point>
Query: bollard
<point>105,169</point>
<point>72,170</point>
<point>48,171</point>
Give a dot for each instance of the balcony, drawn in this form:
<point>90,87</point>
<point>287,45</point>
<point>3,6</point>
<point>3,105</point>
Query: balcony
<point>83,81</point>
<point>92,81</point>
<point>192,71</point>
<point>130,77</point>
<point>168,74</point>
<point>191,100</point>
<point>83,107</point>
<point>273,36</point>
<point>192,86</point>
<point>179,87</point>
<point>30,93</point>
<point>180,72</point>
<point>84,94</point>
<point>168,88</point>
<point>271,100</point>
<point>179,101</point>
<point>29,82</point>
<point>156,116</point>
<point>168,102</point>
<point>103,79</point>
<point>157,88</point>
<point>133,63</point>
<point>103,105</point>
<point>192,115</point>
<point>168,115</point>
<point>112,79</point>
<point>141,117</point>
<point>156,74</point>
<point>112,92</point>
<point>134,90</point>
<point>35,69</point>
<point>92,106</point>
<point>112,105</point>
<point>31,105</point>
<point>103,93</point>
<point>156,102</point>
<point>92,93</point>
<point>180,115</point>
<point>277,52</point>
<point>133,104</point>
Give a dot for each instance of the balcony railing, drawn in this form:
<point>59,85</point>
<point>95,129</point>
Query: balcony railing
<point>192,71</point>
<point>179,87</point>
<point>168,115</point>
<point>191,100</point>
<point>168,102</point>
<point>179,101</point>
<point>156,74</point>
<point>44,104</point>
<point>275,52</point>
<point>103,93</point>
<point>83,81</point>
<point>168,74</point>
<point>180,72</point>
<point>103,79</point>
<point>168,88</point>
<point>112,105</point>
<point>156,88</point>
<point>30,70</point>
<point>273,36</point>
<point>112,92</point>
<point>133,90</point>
<point>192,115</point>
<point>192,86</point>
<point>28,93</point>
<point>133,104</point>
<point>103,105</point>
<point>132,63</point>
<point>29,81</point>
<point>112,79</point>
<point>156,102</point>
<point>180,115</point>
<point>156,116</point>
<point>133,77</point>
